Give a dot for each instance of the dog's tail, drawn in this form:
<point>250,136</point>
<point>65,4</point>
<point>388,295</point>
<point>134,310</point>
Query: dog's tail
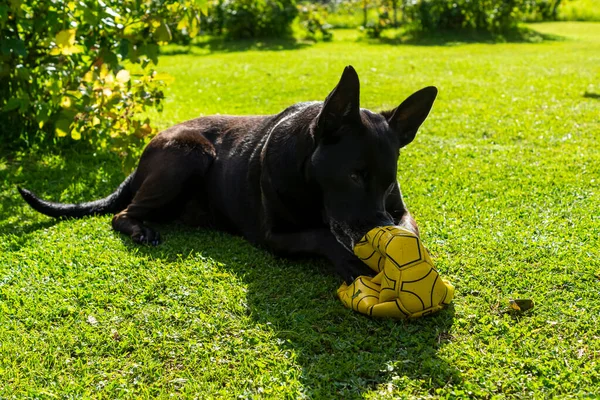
<point>111,204</point>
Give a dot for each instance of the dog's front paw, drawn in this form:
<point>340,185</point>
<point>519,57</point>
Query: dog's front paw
<point>146,236</point>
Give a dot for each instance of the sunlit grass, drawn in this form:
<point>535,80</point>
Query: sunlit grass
<point>503,180</point>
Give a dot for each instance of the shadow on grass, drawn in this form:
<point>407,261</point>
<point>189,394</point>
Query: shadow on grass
<point>209,45</point>
<point>591,95</point>
<point>222,45</point>
<point>75,175</point>
<point>452,38</point>
<point>342,354</point>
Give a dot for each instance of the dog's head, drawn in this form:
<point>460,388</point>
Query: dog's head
<point>356,154</point>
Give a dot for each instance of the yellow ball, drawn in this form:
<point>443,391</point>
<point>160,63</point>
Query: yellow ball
<point>408,284</point>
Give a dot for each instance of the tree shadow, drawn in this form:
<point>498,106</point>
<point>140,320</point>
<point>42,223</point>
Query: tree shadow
<point>221,45</point>
<point>342,354</point>
<point>453,38</point>
<point>73,175</point>
<point>175,49</point>
<point>592,95</point>
<point>210,44</point>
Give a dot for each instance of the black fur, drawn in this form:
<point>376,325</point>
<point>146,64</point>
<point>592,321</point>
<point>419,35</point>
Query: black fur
<point>312,179</point>
<point>111,204</point>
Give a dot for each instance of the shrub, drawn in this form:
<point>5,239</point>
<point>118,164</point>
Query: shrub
<point>484,15</point>
<point>239,19</point>
<point>346,13</point>
<point>312,17</point>
<point>543,10</point>
<point>83,70</point>
<point>579,10</point>
<point>374,29</point>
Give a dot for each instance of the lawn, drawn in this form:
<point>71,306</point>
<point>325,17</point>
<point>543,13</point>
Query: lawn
<point>503,179</point>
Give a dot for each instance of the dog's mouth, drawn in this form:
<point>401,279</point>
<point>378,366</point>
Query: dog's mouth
<point>346,235</point>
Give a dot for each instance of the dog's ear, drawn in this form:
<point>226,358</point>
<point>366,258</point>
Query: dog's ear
<point>406,119</point>
<point>341,106</point>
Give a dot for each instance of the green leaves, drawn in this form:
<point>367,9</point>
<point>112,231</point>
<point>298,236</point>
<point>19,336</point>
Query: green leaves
<point>251,18</point>
<point>494,16</point>
<point>162,34</point>
<point>13,46</point>
<point>65,64</point>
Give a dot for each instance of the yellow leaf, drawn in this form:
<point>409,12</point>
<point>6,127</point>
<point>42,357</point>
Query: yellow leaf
<point>183,23</point>
<point>65,102</point>
<point>194,27</point>
<point>521,304</point>
<point>123,76</point>
<point>109,79</point>
<point>88,77</point>
<point>65,43</point>
<point>75,134</point>
<point>95,121</point>
<point>145,130</point>
<point>103,71</point>
<point>62,127</point>
<point>67,51</point>
<point>131,29</point>
<point>65,38</point>
<point>203,5</point>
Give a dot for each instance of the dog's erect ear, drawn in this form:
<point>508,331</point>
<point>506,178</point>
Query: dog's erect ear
<point>342,105</point>
<point>406,119</point>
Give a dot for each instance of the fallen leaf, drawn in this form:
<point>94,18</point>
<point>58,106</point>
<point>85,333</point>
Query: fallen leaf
<point>520,304</point>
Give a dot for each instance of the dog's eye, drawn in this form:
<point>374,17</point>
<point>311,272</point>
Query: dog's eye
<point>359,176</point>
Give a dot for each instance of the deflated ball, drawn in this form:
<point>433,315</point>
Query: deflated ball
<point>406,286</point>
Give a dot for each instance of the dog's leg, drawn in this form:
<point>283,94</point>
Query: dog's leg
<point>157,190</point>
<point>323,243</point>
<point>162,176</point>
<point>395,206</point>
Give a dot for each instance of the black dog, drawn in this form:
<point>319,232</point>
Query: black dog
<point>312,179</point>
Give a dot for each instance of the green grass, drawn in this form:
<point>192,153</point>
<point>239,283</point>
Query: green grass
<point>504,180</point>
<point>580,10</point>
